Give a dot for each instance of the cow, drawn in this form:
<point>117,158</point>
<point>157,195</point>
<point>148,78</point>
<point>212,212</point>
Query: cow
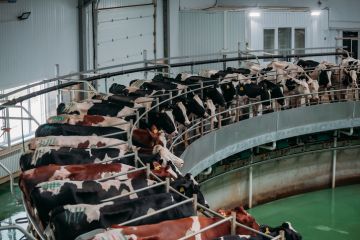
<point>47,196</point>
<point>98,107</point>
<point>74,142</point>
<point>81,172</point>
<point>58,129</point>
<point>30,178</point>
<point>141,137</point>
<point>114,107</point>
<point>276,91</point>
<point>249,90</point>
<point>90,120</point>
<point>350,80</point>
<point>290,233</point>
<point>67,156</point>
<point>175,229</point>
<point>119,89</point>
<point>81,218</point>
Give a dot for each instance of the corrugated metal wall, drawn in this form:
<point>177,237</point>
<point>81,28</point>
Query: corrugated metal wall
<point>30,49</point>
<point>124,32</point>
<point>203,32</point>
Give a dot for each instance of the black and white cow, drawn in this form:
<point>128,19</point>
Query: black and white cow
<point>57,129</point>
<point>74,142</point>
<point>47,196</point>
<point>67,156</point>
<point>82,218</point>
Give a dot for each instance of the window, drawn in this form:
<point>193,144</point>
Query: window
<point>269,39</point>
<point>284,38</point>
<point>284,41</point>
<point>36,107</point>
<point>299,40</point>
<point>351,44</point>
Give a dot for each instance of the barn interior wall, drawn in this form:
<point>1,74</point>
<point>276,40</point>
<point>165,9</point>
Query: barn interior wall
<point>124,30</point>
<point>30,48</point>
<point>342,14</point>
<point>204,32</point>
<point>317,33</point>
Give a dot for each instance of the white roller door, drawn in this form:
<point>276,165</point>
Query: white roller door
<point>124,30</point>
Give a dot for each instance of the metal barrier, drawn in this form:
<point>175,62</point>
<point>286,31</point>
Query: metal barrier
<point>252,106</point>
<point>173,144</point>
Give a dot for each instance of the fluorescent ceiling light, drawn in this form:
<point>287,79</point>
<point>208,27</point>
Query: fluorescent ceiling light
<point>254,14</point>
<point>315,13</point>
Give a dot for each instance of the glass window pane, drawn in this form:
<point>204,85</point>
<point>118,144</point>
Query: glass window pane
<point>284,40</point>
<point>299,40</point>
<point>269,39</point>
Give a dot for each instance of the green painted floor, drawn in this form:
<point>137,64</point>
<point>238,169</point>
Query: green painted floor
<point>327,214</point>
<point>8,206</point>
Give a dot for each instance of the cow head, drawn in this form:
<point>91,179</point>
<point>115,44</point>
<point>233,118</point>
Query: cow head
<point>211,109</point>
<point>215,94</point>
<point>117,88</point>
<point>350,79</point>
<point>157,136</point>
<point>242,217</point>
<point>195,105</point>
<point>314,88</point>
<point>228,91</point>
<point>325,78</point>
<point>163,171</point>
<point>180,113</point>
<point>163,120</point>
<point>290,232</point>
<point>188,186</point>
<point>166,155</point>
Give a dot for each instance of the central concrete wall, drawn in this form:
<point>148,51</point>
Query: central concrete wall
<point>277,179</point>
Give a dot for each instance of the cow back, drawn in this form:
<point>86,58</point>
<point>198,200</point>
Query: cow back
<point>56,129</point>
<point>49,195</point>
<point>82,218</point>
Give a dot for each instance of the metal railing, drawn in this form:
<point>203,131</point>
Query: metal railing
<point>158,104</point>
<point>252,106</point>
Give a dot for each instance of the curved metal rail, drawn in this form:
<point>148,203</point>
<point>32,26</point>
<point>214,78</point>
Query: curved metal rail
<point>106,75</point>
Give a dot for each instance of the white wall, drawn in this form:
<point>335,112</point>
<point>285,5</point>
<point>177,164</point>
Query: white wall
<point>343,14</point>
<point>204,32</point>
<point>30,49</point>
<point>317,33</point>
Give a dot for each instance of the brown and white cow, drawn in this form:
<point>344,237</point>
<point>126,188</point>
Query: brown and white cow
<point>74,142</point>
<point>90,120</point>
<point>175,229</point>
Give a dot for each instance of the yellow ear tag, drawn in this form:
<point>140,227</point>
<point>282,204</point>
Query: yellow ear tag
<point>182,190</point>
<point>267,231</point>
<point>241,89</point>
<point>157,168</point>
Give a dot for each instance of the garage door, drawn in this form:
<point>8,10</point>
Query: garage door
<point>125,29</point>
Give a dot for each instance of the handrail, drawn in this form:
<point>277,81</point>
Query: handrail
<point>277,159</point>
<point>17,227</point>
<point>148,68</point>
<point>251,105</point>
<point>106,75</point>
<point>95,70</point>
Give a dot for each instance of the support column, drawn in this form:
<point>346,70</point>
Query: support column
<point>250,180</point>
<point>333,181</point>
